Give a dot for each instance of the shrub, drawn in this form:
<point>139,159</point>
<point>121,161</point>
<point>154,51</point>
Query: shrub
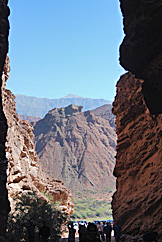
<point>91,209</point>
<point>30,208</point>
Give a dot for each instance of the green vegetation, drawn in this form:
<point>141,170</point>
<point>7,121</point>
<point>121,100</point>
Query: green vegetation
<point>30,208</point>
<point>49,196</point>
<point>107,189</point>
<point>92,192</point>
<point>91,209</point>
<point>79,194</point>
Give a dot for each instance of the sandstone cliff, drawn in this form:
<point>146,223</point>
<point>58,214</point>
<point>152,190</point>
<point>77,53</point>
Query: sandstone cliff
<point>141,50</point>
<point>137,202</point>
<point>24,169</point>
<point>78,148</point>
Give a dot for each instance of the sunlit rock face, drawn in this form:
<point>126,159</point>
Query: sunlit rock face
<point>141,50</point>
<point>78,148</point>
<point>25,173</point>
<point>4,203</point>
<point>137,204</point>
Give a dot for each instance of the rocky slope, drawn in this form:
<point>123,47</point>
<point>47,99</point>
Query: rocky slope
<point>33,106</point>
<point>105,112</point>
<point>137,202</point>
<point>141,50</point>
<point>78,148</point>
<point>24,168</point>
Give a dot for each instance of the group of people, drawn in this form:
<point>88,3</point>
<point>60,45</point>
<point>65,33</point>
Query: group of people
<point>95,233</point>
<point>104,229</point>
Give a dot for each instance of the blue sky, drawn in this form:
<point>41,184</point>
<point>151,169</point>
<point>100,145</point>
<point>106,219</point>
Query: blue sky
<point>58,47</point>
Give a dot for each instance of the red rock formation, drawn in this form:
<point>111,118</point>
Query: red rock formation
<point>137,202</point>
<point>4,31</point>
<point>25,172</point>
<point>78,148</point>
<point>141,50</point>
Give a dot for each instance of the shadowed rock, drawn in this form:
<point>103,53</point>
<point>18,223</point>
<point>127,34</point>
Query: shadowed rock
<point>141,50</point>
<point>4,31</point>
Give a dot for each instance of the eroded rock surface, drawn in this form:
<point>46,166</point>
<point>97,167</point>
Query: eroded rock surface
<point>141,50</point>
<point>78,148</point>
<point>137,202</point>
<point>25,172</point>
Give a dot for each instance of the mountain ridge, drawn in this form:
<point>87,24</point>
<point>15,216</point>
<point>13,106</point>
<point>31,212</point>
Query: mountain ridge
<point>34,106</point>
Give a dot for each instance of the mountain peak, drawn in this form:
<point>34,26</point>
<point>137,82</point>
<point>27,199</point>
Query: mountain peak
<point>72,96</point>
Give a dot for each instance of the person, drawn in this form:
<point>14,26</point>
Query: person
<point>72,232</point>
<point>150,236</point>
<point>82,231</point>
<point>44,232</point>
<point>31,231</point>
<point>102,229</point>
<point>117,231</point>
<point>107,231</point>
<point>91,234</point>
<point>99,229</point>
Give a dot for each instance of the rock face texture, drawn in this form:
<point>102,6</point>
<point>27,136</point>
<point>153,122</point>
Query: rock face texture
<point>137,201</point>
<point>141,50</point>
<point>24,169</point>
<point>4,31</point>
<point>78,148</point>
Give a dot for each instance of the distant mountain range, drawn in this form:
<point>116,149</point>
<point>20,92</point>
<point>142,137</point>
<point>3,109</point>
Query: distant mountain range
<point>39,107</point>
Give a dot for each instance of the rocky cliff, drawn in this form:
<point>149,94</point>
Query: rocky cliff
<point>4,31</point>
<point>78,148</point>
<point>141,50</point>
<point>137,202</point>
<point>25,172</point>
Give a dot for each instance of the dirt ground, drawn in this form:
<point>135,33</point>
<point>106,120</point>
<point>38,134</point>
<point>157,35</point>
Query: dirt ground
<point>77,239</point>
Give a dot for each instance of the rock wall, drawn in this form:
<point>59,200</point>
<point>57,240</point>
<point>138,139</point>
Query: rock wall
<point>25,172</point>
<point>141,50</point>
<point>137,202</point>
<point>4,30</point>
